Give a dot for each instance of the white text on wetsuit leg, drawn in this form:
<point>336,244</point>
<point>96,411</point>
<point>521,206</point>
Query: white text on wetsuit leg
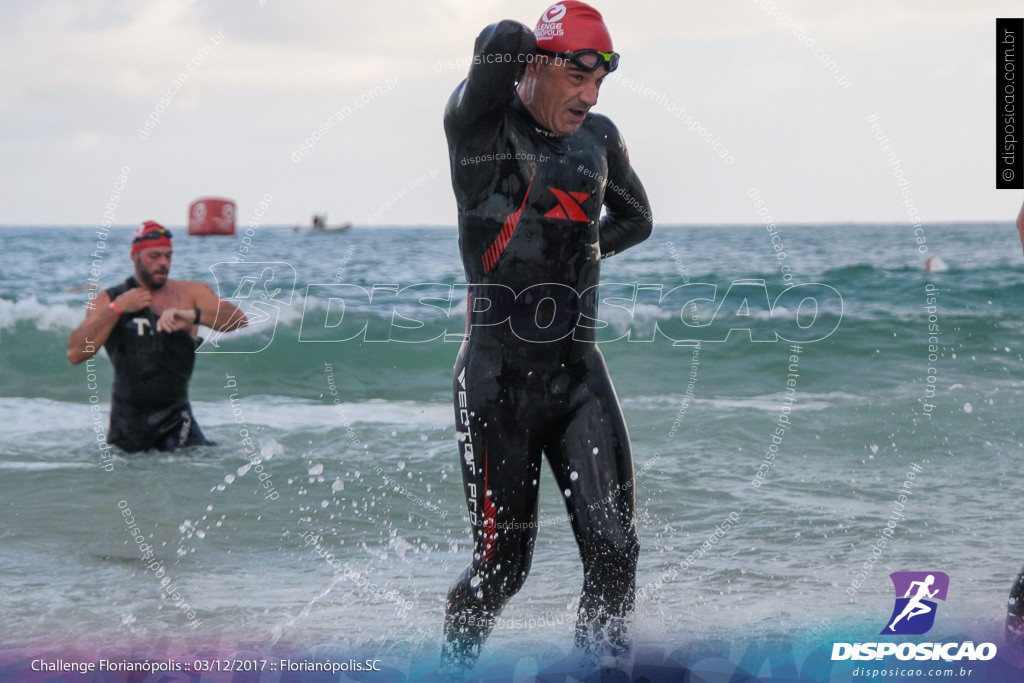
<point>465,439</point>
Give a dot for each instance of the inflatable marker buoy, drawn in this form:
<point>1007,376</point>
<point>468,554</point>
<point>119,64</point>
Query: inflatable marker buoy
<point>211,216</point>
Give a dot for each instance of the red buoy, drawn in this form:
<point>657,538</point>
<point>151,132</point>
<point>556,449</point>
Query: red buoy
<point>211,216</point>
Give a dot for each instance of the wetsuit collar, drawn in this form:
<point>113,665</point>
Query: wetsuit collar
<point>517,104</point>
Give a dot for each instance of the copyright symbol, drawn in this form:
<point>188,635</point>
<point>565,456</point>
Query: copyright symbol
<point>1008,174</point>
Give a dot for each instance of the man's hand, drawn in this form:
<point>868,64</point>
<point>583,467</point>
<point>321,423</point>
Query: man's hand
<point>134,299</point>
<point>174,319</point>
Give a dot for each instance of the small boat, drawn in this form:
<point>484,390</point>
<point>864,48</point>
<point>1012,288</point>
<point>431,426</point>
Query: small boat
<point>319,224</point>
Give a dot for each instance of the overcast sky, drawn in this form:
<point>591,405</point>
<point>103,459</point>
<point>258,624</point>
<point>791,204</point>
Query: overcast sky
<point>80,78</point>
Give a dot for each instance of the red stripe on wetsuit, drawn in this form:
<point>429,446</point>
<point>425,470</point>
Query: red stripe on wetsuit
<point>494,252</point>
<point>490,516</point>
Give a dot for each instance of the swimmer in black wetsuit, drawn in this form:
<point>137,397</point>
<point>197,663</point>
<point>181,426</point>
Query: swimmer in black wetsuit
<point>1020,225</point>
<point>531,170</point>
<point>1015,615</point>
<point>148,325</point>
<point>1015,605</point>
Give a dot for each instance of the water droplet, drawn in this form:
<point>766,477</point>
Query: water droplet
<point>316,469</point>
<point>574,475</point>
<point>338,485</point>
<point>968,408</point>
<point>567,493</point>
<point>270,448</point>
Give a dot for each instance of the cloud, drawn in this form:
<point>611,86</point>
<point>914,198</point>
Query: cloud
<point>81,77</point>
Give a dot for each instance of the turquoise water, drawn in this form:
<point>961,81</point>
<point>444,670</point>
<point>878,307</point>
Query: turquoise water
<point>356,441</point>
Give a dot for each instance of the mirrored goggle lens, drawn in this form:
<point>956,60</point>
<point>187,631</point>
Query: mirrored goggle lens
<point>155,235</point>
<point>590,60</point>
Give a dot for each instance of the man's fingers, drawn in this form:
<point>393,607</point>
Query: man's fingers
<point>170,321</point>
<point>135,300</point>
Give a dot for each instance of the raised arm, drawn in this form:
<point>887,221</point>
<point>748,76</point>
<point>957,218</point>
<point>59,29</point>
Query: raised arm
<point>217,313</point>
<point>499,54</point>
<point>213,312</point>
<point>86,339</point>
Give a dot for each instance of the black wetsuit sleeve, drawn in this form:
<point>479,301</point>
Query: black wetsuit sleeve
<point>477,107</point>
<point>627,220</point>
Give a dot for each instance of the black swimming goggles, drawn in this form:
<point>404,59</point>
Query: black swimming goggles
<point>586,60</point>
<point>154,235</point>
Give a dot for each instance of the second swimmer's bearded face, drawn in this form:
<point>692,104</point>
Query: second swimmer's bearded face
<point>152,266</point>
<point>559,95</point>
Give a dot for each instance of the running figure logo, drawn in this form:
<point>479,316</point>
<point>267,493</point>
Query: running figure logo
<point>914,612</point>
<point>259,289</point>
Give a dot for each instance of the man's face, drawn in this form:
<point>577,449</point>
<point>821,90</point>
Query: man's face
<point>152,266</point>
<point>561,94</point>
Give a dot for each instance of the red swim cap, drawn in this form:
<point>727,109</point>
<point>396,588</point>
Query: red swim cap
<point>150,234</point>
<point>572,25</point>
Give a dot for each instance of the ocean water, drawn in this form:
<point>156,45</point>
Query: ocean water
<point>353,428</point>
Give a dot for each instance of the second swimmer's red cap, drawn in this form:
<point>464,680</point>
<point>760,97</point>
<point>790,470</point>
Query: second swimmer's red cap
<point>150,234</point>
<point>572,25</point>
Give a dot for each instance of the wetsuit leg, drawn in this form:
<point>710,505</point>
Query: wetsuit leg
<point>593,464</point>
<point>195,435</point>
<point>1015,613</point>
<point>178,428</point>
<point>500,455</point>
<point>164,429</point>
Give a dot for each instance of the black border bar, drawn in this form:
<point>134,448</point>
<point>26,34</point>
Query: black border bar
<point>1009,104</point>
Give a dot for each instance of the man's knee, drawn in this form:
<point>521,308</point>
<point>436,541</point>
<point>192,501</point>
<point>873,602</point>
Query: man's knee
<point>629,548</point>
<point>507,577</point>
<point>617,551</point>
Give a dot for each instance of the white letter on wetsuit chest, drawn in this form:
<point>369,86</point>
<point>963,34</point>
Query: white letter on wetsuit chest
<point>140,325</point>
